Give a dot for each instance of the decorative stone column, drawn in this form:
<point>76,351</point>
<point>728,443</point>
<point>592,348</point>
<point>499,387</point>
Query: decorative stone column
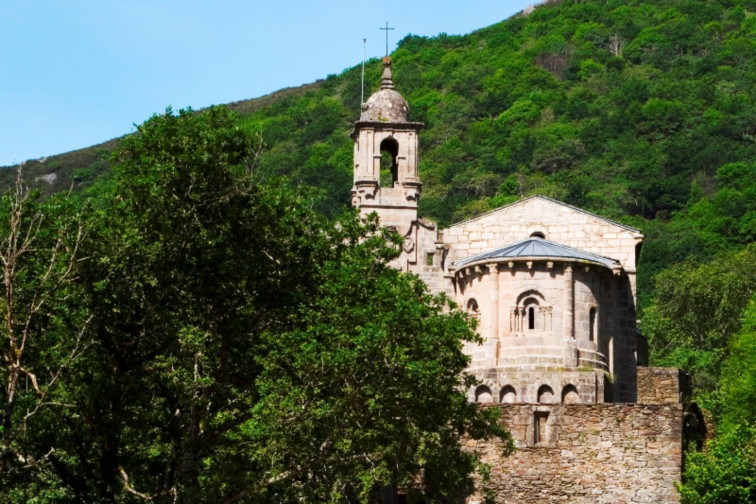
<point>493,301</point>
<point>502,309</point>
<point>570,345</point>
<point>568,322</point>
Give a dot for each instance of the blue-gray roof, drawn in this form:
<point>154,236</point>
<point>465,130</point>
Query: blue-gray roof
<point>539,249</point>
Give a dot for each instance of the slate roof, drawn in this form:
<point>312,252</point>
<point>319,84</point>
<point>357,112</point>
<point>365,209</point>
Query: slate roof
<point>539,249</point>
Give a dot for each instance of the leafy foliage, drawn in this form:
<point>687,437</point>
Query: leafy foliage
<point>378,353</point>
<point>627,109</point>
<point>639,111</point>
<point>42,330</point>
<point>726,472</point>
<point>698,311</point>
<point>243,347</point>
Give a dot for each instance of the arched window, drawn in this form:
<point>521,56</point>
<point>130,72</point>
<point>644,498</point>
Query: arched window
<point>508,395</point>
<point>592,324</point>
<point>483,395</point>
<point>389,167</point>
<point>472,309</point>
<point>545,395</point>
<point>610,351</point>
<point>570,395</point>
<point>537,234</point>
<point>472,306</point>
<point>531,318</point>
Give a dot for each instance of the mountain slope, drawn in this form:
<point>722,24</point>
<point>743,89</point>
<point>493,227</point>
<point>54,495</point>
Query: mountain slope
<point>634,110</point>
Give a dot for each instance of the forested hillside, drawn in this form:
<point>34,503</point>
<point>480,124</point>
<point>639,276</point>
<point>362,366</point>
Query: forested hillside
<point>644,112</point>
<point>640,111</point>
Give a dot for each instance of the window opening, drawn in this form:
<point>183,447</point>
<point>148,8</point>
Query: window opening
<point>472,309</point>
<point>592,324</point>
<point>531,318</point>
<point>611,354</point>
<point>570,395</point>
<point>538,234</point>
<point>539,426</point>
<point>389,167</point>
<point>472,306</point>
<point>545,395</point>
<point>508,395</point>
<point>483,395</point>
<point>429,259</point>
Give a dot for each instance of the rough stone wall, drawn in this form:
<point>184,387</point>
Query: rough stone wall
<point>660,385</point>
<point>559,223</point>
<point>592,453</point>
<point>524,386</point>
<point>563,336</point>
<point>425,256</point>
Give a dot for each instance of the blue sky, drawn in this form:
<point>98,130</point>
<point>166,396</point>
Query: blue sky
<point>79,72</point>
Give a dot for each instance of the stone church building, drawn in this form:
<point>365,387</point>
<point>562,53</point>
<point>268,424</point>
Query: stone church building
<point>553,288</point>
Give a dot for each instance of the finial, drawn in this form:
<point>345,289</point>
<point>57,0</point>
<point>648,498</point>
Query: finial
<point>386,29</point>
<point>386,80</point>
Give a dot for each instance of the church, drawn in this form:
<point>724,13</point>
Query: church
<point>553,289</point>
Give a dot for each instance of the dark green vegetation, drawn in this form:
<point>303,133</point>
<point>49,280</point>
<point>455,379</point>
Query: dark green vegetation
<point>640,111</point>
<point>194,334</point>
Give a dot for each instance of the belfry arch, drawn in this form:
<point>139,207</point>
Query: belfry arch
<point>389,175</point>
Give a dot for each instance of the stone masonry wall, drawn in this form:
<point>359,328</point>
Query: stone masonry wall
<point>507,386</point>
<point>558,222</point>
<point>660,385</point>
<point>589,453</point>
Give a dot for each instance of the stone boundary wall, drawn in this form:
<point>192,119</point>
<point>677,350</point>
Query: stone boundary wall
<point>661,385</point>
<point>592,453</point>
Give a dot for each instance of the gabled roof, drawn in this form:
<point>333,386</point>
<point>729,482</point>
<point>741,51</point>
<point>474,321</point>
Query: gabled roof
<point>551,200</point>
<point>539,249</point>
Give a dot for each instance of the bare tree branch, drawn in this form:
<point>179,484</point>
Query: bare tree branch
<point>22,251</point>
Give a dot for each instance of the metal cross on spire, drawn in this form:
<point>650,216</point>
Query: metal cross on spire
<point>386,30</point>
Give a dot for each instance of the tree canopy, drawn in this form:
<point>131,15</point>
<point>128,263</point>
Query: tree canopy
<point>638,111</point>
<point>239,346</point>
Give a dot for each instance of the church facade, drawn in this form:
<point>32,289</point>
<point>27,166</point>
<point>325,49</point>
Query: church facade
<point>553,289</point>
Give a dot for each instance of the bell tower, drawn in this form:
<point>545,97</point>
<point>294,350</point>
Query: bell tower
<point>386,177</point>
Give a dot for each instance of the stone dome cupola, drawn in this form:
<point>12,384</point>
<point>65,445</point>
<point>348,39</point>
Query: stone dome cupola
<point>386,104</point>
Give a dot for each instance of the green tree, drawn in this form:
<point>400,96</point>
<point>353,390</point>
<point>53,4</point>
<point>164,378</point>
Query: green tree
<point>726,471</point>
<point>249,350</point>
<point>366,392</point>
<point>696,311</point>
<point>43,330</point>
